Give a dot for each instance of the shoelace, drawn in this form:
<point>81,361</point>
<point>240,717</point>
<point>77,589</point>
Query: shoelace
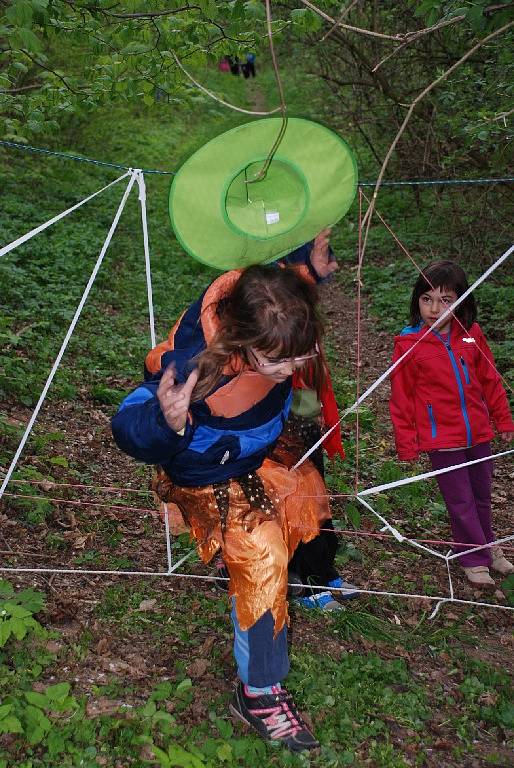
<point>282,720</point>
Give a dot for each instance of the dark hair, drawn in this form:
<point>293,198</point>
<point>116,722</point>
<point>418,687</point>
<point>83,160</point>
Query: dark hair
<point>270,309</point>
<point>444,274</point>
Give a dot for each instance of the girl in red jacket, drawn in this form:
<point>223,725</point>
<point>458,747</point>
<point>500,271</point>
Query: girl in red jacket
<point>444,396</point>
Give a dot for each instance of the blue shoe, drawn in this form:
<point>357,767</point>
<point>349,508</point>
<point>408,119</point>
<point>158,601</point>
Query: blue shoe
<point>323,601</point>
<point>349,590</point>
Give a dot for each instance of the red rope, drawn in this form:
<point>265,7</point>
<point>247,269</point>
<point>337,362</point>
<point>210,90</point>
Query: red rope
<point>53,484</point>
<point>330,530</point>
<point>360,256</point>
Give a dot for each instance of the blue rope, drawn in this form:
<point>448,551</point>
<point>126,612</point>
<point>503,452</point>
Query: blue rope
<point>28,148</point>
<point>410,183</point>
<point>441,182</point>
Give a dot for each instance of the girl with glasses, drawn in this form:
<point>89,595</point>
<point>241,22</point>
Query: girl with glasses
<point>210,419</point>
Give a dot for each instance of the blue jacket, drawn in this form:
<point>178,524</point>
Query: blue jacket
<point>231,431</point>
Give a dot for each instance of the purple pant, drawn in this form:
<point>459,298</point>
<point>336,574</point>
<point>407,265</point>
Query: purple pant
<point>467,494</point>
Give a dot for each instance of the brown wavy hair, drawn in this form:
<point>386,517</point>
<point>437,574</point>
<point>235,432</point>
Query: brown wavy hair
<point>272,310</point>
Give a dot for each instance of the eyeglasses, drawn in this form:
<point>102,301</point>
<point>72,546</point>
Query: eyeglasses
<point>267,364</point>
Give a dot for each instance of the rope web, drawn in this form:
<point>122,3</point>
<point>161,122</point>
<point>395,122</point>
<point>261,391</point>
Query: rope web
<point>171,569</point>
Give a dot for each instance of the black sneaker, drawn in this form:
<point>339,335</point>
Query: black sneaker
<point>274,716</point>
<point>222,575</point>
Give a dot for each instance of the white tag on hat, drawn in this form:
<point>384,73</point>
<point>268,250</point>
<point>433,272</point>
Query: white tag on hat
<point>273,217</point>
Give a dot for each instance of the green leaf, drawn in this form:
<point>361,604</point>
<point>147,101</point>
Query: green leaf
<point>5,632</point>
<point>37,725</point>
<point>6,589</point>
<point>59,461</point>
<point>4,710</point>
<point>161,756</point>
<point>19,13</point>
<point>26,39</point>
<point>58,692</point>
<point>37,699</point>
<point>10,724</point>
<point>19,628</point>
<point>224,753</point>
<point>224,727</point>
<point>185,685</point>
<point>181,758</point>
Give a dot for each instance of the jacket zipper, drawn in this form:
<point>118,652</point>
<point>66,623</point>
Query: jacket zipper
<point>460,387</point>
<point>432,421</point>
<point>465,369</point>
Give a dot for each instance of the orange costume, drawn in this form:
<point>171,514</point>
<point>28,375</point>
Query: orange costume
<point>224,484</point>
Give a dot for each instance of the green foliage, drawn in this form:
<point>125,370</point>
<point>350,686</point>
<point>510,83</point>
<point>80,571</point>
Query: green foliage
<point>60,59</point>
<point>16,612</point>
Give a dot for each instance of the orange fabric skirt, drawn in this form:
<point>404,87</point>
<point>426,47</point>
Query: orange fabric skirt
<point>258,542</point>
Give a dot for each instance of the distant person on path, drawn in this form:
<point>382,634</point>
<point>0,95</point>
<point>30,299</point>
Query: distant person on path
<point>234,65</point>
<point>444,395</point>
<point>249,65</point>
<point>210,419</point>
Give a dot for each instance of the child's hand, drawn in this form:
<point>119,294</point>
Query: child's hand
<point>174,398</point>
<point>320,255</point>
<point>507,436</point>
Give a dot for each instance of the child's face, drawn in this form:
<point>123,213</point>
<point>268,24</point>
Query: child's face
<point>432,304</point>
<point>277,369</point>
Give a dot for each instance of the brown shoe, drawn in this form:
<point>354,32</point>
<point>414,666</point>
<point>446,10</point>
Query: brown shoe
<point>500,563</point>
<point>479,576</point>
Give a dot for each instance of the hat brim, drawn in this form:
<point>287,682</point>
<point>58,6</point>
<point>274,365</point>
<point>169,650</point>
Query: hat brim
<point>319,159</point>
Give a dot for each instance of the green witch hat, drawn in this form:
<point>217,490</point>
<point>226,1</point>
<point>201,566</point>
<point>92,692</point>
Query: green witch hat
<point>227,223</point>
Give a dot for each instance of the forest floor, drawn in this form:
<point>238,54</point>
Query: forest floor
<point>149,659</point>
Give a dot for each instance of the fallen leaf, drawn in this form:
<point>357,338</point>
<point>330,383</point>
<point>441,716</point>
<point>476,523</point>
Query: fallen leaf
<point>102,645</point>
<point>198,668</point>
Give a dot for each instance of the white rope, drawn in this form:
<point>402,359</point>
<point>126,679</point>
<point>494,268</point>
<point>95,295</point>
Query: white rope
<point>200,577</point>
<point>433,473</point>
<point>133,175</point>
<point>397,535</point>
<point>37,230</point>
<point>450,580</point>
<point>167,535</point>
<point>142,200</point>
<point>490,544</point>
<point>394,365</point>
<point>386,526</point>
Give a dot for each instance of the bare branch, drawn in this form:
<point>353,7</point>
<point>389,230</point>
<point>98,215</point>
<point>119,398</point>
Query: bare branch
<point>21,88</point>
<point>369,213</point>
<point>415,36</point>
<point>335,23</point>
<point>498,7</point>
<point>502,115</point>
<point>48,69</point>
<point>142,14</point>
<point>343,15</point>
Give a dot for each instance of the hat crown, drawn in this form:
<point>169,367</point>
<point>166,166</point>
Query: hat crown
<point>268,207</point>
